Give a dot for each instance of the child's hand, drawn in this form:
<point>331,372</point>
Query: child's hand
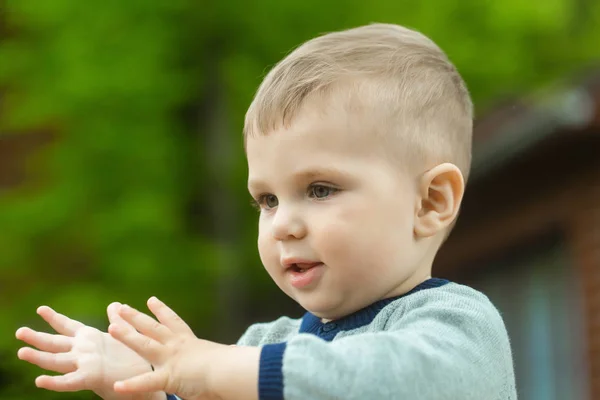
<point>179,358</point>
<point>88,358</point>
<point>183,364</point>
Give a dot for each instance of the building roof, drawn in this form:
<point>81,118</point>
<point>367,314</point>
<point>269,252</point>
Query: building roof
<point>517,126</point>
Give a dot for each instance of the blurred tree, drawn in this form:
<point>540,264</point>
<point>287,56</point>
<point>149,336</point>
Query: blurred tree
<point>142,190</point>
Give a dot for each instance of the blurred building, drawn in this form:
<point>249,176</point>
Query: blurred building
<point>529,235</point>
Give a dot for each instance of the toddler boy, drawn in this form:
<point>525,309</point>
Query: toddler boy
<point>358,146</point>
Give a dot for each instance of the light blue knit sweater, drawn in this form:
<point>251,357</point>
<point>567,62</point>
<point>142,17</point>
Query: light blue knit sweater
<point>440,341</point>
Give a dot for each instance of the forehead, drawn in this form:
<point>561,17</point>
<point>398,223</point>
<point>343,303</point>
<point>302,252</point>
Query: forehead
<point>316,145</point>
<point>319,128</point>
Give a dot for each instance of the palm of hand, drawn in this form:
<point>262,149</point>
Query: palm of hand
<point>88,358</point>
<point>181,360</point>
<point>105,360</point>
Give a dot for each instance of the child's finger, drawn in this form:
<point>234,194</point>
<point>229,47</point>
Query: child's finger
<point>61,362</point>
<point>60,323</point>
<point>145,324</point>
<point>72,382</point>
<point>149,382</point>
<point>113,314</point>
<point>146,347</point>
<point>168,317</point>
<point>44,341</point>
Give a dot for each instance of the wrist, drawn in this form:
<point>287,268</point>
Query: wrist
<point>151,396</point>
<point>234,374</point>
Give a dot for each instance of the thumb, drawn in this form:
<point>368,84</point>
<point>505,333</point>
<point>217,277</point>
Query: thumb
<point>113,314</point>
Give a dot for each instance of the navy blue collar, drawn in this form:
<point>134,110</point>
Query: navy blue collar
<point>312,324</point>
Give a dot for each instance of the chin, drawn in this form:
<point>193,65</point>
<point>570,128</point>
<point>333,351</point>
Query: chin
<point>325,309</point>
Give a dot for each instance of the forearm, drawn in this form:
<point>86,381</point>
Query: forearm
<point>383,366</point>
<point>141,396</point>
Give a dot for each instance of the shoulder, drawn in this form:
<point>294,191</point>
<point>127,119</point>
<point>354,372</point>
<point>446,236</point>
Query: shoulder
<point>451,304</point>
<point>456,317</point>
<point>280,330</point>
<point>450,295</point>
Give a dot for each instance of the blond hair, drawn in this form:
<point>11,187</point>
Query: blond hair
<point>389,69</point>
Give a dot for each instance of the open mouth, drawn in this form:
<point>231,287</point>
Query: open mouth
<point>304,275</point>
<point>296,268</point>
<point>302,268</point>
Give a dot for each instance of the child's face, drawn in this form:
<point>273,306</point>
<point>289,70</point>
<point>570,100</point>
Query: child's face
<point>332,203</point>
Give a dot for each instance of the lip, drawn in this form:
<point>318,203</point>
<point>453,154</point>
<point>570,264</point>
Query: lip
<point>303,262</point>
<point>303,273</point>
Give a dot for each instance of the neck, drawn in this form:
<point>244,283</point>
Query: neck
<point>405,287</point>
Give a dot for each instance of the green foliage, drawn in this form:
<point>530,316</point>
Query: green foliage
<point>106,215</point>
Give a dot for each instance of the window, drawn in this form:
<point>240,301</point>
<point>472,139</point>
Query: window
<point>537,294</point>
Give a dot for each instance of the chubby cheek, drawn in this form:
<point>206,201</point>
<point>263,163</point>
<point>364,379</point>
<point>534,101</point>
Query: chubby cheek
<point>362,240</point>
<point>267,249</point>
<point>341,237</point>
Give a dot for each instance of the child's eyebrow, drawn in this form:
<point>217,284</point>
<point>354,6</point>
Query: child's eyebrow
<point>255,184</point>
<point>318,172</point>
<point>303,176</point>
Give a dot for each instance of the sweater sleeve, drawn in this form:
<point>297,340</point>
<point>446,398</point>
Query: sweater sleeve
<point>456,351</point>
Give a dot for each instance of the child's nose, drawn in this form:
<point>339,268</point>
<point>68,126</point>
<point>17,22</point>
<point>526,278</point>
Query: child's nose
<point>288,224</point>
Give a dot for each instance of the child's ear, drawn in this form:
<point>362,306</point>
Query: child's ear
<point>441,191</point>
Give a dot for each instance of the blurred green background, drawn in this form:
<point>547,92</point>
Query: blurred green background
<point>133,183</point>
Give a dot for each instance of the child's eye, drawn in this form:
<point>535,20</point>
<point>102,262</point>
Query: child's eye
<point>271,201</point>
<point>321,191</point>
<point>267,201</point>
